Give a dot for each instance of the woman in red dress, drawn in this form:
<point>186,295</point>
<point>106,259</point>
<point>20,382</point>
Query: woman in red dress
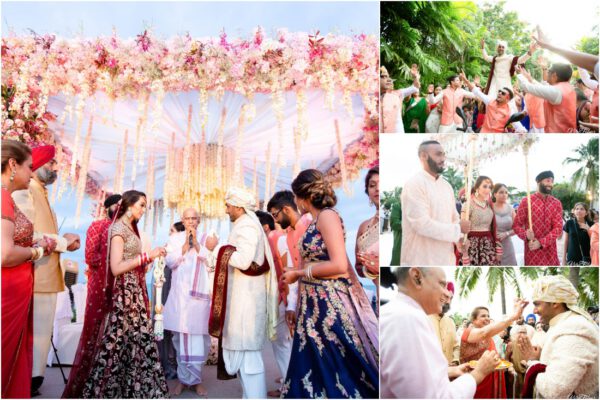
<point>477,338</point>
<point>18,253</point>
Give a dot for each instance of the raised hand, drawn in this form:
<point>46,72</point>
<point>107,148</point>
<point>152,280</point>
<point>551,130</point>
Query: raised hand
<point>519,306</point>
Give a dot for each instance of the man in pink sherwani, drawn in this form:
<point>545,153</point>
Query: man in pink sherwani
<point>188,306</point>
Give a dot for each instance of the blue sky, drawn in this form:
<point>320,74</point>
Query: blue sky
<point>198,18</point>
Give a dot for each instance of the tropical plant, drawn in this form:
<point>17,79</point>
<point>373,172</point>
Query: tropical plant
<point>586,176</point>
<point>584,279</point>
<point>443,38</point>
<point>568,196</point>
<point>497,279</point>
<point>455,178</point>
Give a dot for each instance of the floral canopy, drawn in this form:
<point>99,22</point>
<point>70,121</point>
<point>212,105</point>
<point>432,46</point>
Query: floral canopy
<point>157,114</point>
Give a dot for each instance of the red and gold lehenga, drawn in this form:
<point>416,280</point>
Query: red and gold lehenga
<point>494,385</point>
<point>17,310</point>
<point>485,247</point>
<point>97,302</point>
<point>126,363</point>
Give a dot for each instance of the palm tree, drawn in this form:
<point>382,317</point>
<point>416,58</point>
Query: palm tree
<point>586,177</point>
<point>584,279</point>
<point>497,278</point>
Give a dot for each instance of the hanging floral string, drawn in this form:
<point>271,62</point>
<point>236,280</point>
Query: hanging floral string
<point>345,185</point>
<point>220,135</point>
<point>82,180</point>
<point>268,172</point>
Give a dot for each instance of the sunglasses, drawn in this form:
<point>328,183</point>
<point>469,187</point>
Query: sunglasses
<point>502,92</point>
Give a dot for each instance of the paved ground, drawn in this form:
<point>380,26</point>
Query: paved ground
<point>53,385</point>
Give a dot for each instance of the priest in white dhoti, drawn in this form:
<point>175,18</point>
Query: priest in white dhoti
<point>430,223</point>
<point>413,365</point>
<point>245,296</point>
<point>503,66</point>
<point>188,305</point>
<point>567,365</point>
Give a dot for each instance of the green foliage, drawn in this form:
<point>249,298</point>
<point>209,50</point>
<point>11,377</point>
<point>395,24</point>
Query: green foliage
<point>586,280</point>
<point>586,176</point>
<point>568,196</point>
<point>389,198</point>
<point>455,178</point>
<point>590,44</point>
<point>444,37</point>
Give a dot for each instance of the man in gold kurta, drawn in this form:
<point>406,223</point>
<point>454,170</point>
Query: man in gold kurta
<point>445,330</point>
<point>48,276</point>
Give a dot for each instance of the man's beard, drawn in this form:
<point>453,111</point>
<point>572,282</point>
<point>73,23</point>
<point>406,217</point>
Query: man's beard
<point>47,176</point>
<point>543,189</point>
<point>433,166</point>
<point>285,222</point>
<point>531,324</point>
<point>445,308</point>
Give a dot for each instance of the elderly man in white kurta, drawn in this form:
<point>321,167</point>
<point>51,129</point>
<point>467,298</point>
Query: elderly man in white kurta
<point>413,365</point>
<point>503,66</point>
<point>188,305</point>
<point>430,222</point>
<point>251,302</point>
<point>570,351</point>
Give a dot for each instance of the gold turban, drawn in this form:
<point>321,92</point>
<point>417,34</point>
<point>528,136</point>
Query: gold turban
<point>558,289</point>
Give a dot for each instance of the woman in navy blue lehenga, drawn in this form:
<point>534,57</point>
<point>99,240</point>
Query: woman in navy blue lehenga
<point>335,349</point>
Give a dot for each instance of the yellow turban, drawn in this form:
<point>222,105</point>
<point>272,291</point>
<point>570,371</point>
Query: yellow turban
<point>558,289</point>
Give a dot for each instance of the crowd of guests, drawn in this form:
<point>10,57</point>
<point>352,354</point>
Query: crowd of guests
<point>435,228</point>
<point>424,355</point>
<point>558,104</point>
<point>282,275</point>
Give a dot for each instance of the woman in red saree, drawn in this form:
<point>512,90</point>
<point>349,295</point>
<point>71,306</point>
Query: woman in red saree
<point>18,254</point>
<point>477,338</point>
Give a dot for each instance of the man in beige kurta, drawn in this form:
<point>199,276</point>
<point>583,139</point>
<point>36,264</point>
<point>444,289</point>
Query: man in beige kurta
<point>570,351</point>
<point>430,222</point>
<point>445,330</point>
<point>48,276</point>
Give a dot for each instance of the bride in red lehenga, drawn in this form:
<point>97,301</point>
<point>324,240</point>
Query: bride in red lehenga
<point>99,291</point>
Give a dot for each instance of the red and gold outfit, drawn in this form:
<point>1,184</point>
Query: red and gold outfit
<point>546,216</point>
<point>17,309</point>
<point>99,284</point>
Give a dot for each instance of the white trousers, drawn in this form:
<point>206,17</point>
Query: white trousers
<point>191,351</point>
<point>44,308</point>
<point>252,371</point>
<point>282,346</point>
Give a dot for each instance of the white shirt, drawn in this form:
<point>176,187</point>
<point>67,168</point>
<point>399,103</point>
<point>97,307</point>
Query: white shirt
<point>587,80</point>
<point>412,363</point>
<point>430,222</point>
<point>188,306</point>
<point>543,90</point>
